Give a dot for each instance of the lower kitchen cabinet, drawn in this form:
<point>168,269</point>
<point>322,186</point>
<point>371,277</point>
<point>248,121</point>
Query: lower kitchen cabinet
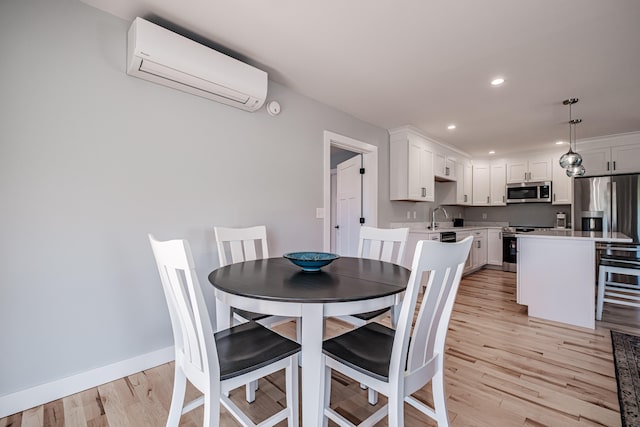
<point>485,249</point>
<point>479,249</point>
<point>494,247</point>
<point>412,241</point>
<point>478,254</point>
<point>461,235</point>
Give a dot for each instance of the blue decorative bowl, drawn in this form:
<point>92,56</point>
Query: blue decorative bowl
<point>311,261</point>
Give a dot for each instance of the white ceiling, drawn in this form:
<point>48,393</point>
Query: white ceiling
<point>428,63</point>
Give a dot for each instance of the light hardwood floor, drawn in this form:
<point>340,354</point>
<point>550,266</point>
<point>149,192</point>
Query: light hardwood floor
<point>502,369</point>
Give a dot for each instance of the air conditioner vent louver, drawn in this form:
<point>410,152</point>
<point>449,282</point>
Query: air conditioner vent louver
<point>161,56</point>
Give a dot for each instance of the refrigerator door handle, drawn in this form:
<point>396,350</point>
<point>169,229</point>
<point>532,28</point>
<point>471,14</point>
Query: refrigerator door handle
<point>614,206</point>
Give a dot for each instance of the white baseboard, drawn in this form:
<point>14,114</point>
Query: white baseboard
<point>44,393</point>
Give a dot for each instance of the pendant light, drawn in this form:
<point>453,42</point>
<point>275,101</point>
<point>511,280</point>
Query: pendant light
<point>570,159</point>
<point>577,170</point>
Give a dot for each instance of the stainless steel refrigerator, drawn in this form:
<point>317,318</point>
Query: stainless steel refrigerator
<point>607,203</point>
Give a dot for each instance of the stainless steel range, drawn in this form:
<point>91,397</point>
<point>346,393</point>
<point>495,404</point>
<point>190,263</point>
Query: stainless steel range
<point>510,245</point>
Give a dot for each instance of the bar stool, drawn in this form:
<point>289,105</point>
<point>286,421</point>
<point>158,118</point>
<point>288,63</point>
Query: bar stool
<point>616,292</point>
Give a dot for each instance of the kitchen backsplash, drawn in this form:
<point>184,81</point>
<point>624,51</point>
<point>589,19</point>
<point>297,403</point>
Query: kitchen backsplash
<point>537,214</point>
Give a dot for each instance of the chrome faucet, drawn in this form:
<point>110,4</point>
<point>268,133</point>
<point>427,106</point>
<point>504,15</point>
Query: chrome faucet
<point>433,216</point>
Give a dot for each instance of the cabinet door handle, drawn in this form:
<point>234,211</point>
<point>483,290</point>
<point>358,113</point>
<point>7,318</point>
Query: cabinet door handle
<point>424,192</point>
<point>554,197</point>
<point>465,198</point>
<point>487,199</point>
<point>502,198</point>
<point>614,165</point>
<point>607,165</point>
<point>446,171</point>
<point>478,244</point>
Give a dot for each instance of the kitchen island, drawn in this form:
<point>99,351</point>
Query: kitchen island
<point>557,274</point>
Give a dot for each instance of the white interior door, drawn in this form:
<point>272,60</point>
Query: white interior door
<point>349,205</point>
<point>334,210</point>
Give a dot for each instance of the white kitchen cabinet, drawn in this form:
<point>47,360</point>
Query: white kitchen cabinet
<point>444,166</point>
<point>611,160</point>
<point>625,159</point>
<point>412,241</point>
<point>561,185</point>
<point>464,182</point>
<point>411,168</point>
<point>461,235</point>
<point>481,184</point>
<point>479,249</point>
<point>529,170</point>
<point>498,183</point>
<point>478,255</point>
<point>468,183</point>
<point>494,246</point>
<point>596,161</point>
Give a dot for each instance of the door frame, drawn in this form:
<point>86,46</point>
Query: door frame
<point>370,194</point>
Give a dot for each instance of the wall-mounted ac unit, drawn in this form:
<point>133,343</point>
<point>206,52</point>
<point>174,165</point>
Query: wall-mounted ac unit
<point>164,57</point>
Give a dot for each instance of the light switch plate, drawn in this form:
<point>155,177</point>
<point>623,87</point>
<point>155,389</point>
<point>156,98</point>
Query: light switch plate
<point>319,213</point>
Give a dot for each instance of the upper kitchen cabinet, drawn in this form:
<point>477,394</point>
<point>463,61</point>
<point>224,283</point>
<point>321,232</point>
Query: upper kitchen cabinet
<point>562,185</point>
<point>625,159</point>
<point>457,192</point>
<point>611,160</point>
<point>611,155</point>
<point>411,166</point>
<point>537,168</point>
<point>481,183</point>
<point>498,184</point>
<point>596,161</point>
<point>444,165</point>
<point>464,182</point>
<point>489,186</point>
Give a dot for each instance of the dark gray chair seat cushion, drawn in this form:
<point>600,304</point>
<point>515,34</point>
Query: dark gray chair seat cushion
<point>250,346</point>
<point>249,315</point>
<point>366,349</point>
<point>371,314</point>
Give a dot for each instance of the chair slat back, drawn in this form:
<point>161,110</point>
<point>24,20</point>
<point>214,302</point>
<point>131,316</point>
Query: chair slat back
<point>444,262</point>
<point>192,330</point>
<point>381,243</point>
<point>242,244</point>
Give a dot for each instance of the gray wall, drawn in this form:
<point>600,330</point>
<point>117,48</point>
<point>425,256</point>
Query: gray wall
<point>91,160</point>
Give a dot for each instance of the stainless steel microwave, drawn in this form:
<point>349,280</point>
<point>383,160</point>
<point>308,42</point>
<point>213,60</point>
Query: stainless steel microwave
<point>529,192</point>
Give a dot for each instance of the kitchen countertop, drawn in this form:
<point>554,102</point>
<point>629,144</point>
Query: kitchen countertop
<point>421,227</point>
<point>465,228</point>
<point>576,235</point>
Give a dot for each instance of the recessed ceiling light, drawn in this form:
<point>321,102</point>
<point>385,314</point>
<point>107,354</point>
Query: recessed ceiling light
<point>497,81</point>
<point>559,142</point>
<point>451,127</point>
<point>492,152</point>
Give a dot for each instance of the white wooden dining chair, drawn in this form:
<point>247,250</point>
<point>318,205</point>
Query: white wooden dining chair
<point>220,362</point>
<point>399,362</point>
<point>248,244</point>
<point>383,244</point>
